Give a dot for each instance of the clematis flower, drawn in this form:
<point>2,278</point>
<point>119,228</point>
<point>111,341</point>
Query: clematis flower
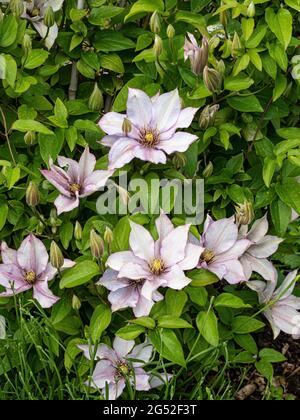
<point>78,181</point>
<point>28,268</point>
<point>282,313</point>
<point>148,130</point>
<point>198,56</point>
<point>158,263</point>
<point>127,293</point>
<point>115,367</point>
<point>262,246</point>
<point>35,12</point>
<point>221,250</point>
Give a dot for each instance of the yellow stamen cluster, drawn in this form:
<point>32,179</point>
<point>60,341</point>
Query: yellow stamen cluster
<point>207,255</point>
<point>157,266</point>
<point>74,188</point>
<point>30,277</point>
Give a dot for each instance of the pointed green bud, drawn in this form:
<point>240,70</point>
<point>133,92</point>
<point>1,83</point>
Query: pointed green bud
<point>17,7</point>
<point>244,213</point>
<point>207,116</point>
<point>108,235</point>
<point>56,256</point>
<point>208,170</point>
<point>179,160</point>
<point>236,45</point>
<point>251,10</point>
<point>154,23</point>
<point>170,31</point>
<point>32,195</point>
<point>26,44</point>
<point>96,99</point>
<point>96,244</point>
<point>158,45</point>
<point>212,79</point>
<point>49,17</point>
<point>78,231</point>
<point>76,303</point>
<point>30,138</point>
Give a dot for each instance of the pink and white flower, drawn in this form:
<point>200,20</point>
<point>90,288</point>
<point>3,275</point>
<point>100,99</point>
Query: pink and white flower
<point>148,130</point>
<point>221,249</point>
<point>79,180</point>
<point>28,268</point>
<point>282,313</point>
<point>262,246</point>
<point>127,293</point>
<point>115,367</point>
<point>159,263</point>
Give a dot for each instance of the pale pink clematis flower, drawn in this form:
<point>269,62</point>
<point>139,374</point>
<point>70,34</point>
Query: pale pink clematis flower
<point>283,314</point>
<point>262,246</point>
<point>148,130</point>
<point>198,56</point>
<point>115,367</point>
<point>78,181</point>
<point>158,263</point>
<point>27,268</point>
<point>221,249</point>
<point>127,293</point>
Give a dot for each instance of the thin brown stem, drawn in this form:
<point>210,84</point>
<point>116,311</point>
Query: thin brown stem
<point>7,137</point>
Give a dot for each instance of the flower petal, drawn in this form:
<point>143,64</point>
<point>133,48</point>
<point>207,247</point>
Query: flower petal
<point>234,272</point>
<point>9,256</point>
<point>121,152</point>
<point>221,235</point>
<point>123,347</point>
<point>86,164</point>
<point>192,256</point>
<point>175,278</point>
<point>139,108</point>
<point>104,373</point>
<point>259,229</point>
<point>134,271</point>
<point>59,178</point>
<point>32,255</point>
<point>111,281</point>
<point>72,168</point>
<point>143,307</point>
<point>127,297</point>
<point>166,110</point>
<point>94,182</point>
<point>11,275</point>
<point>141,352</point>
<point>149,154</point>
<point>173,246</point>
<point>141,380</point>
<point>236,251</point>
<point>43,294</point>
<point>101,352</point>
<point>186,117</point>
<point>180,142</point>
<point>261,266</point>
<point>111,123</point>
<point>118,259</point>
<point>265,247</point>
<point>287,286</point>
<point>64,204</point>
<point>141,242</point>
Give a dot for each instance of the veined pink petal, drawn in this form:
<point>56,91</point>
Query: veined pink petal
<point>58,178</point>
<point>126,297</point>
<point>43,294</point>
<point>95,181</point>
<point>161,379</point>
<point>192,39</point>
<point>11,274</point>
<point>221,235</point>
<point>121,152</point>
<point>149,154</point>
<point>134,271</point>
<point>68,264</point>
<point>49,273</point>
<point>163,225</point>
<point>267,246</point>
<point>141,380</point>
<point>32,255</point>
<point>118,259</point>
<point>104,373</point>
<point>139,108</point>
<point>286,318</point>
<point>141,352</point>
<point>234,271</point>
<point>122,347</point>
<point>86,164</point>
<point>292,301</point>
<point>16,291</point>
<point>236,251</point>
<point>9,256</point>
<point>151,285</point>
<point>111,281</point>
<point>180,142</point>
<point>108,141</point>
<point>64,204</point>
<point>101,352</point>
<point>143,307</point>
<point>219,269</point>
<point>259,229</point>
<point>173,246</point>
<point>192,256</point>
<point>115,389</point>
<point>287,286</point>
<point>275,328</point>
<point>260,265</point>
<point>141,242</point>
<point>72,168</point>
<point>166,110</point>
<point>175,278</point>
<point>111,123</point>
<point>186,117</point>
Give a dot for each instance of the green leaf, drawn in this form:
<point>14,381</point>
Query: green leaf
<point>281,24</point>
<point>202,277</point>
<point>3,214</point>
<point>144,321</point>
<point>98,14</point>
<point>36,58</point>
<point>108,41</point>
<point>130,332</point>
<point>245,103</point>
<point>100,321</point>
<point>244,357</point>
<point>265,369</point>
<point>244,324</point>
<point>295,4</point>
<point>75,41</point>
<point>61,309</point>
<point>141,7</point>
<point>112,62</point>
<point>50,145</point>
<point>280,86</point>
<point>167,345</point>
<point>255,59</point>
<point>170,321</point>
<point>257,36</point>
<point>207,324</point>
<point>247,27</point>
<point>197,295</point>
<point>281,216</point>
<point>271,355</point>
<point>241,64</point>
<point>8,31</point>
<point>194,19</point>
<point>247,342</point>
<point>30,125</point>
<point>8,67</point>
<point>237,83</point>
<point>81,273</point>
<point>289,192</point>
<point>268,170</point>
<point>175,301</point>
<point>121,235</point>
<point>289,133</point>
<point>228,300</point>
<point>66,234</point>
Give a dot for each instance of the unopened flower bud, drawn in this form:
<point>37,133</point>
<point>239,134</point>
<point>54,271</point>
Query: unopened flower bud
<point>214,42</point>
<point>207,116</point>
<point>251,10</point>
<point>76,303</point>
<point>212,79</point>
<point>236,45</point>
<point>155,25</point>
<point>96,99</point>
<point>17,7</point>
<point>1,15</point>
<point>49,18</point>
<point>78,231</point>
<point>220,67</point>
<point>179,160</point>
<point>223,18</point>
<point>170,31</point>
<point>32,195</point>
<point>26,44</point>
<point>126,126</point>
<point>208,170</point>
<point>96,244</point>
<point>158,45</point>
<point>108,235</point>
<point>30,138</point>
<point>56,256</point>
<point>244,213</point>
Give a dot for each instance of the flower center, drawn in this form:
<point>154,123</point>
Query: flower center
<point>138,282</point>
<point>207,255</point>
<point>74,188</point>
<point>122,369</point>
<point>34,12</point>
<point>157,266</point>
<point>149,138</point>
<point>30,277</point>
